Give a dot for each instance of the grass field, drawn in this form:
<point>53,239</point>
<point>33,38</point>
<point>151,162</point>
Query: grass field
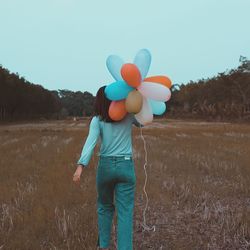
<point>198,186</point>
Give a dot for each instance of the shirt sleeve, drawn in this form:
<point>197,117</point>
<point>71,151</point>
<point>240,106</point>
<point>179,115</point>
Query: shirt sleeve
<point>136,123</point>
<point>90,143</point>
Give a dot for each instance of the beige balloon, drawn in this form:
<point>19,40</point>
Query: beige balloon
<point>134,102</point>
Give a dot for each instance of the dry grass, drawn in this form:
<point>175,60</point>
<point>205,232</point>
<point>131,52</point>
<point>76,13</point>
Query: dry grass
<point>198,186</point>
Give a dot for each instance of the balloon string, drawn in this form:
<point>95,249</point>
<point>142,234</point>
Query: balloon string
<point>144,224</point>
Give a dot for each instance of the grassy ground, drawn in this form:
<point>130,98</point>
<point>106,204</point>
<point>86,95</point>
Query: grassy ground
<point>198,187</point>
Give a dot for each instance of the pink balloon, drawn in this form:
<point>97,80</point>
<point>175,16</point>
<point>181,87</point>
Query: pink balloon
<point>145,115</point>
<point>155,91</point>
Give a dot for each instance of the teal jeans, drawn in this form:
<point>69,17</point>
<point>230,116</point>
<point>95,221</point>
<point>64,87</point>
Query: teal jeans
<point>115,181</point>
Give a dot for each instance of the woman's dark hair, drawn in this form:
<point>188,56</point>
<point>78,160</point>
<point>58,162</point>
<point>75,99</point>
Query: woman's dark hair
<point>102,104</point>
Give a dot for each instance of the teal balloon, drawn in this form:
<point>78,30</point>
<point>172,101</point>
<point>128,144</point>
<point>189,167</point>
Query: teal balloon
<point>117,90</point>
<point>142,61</point>
<point>114,64</point>
<point>158,108</point>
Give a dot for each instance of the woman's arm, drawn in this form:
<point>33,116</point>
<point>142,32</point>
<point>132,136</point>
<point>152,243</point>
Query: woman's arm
<point>88,148</point>
<point>77,174</point>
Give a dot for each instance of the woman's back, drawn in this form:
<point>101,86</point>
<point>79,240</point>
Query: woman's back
<point>115,138</point>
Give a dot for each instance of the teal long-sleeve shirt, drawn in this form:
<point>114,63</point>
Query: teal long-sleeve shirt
<point>115,138</point>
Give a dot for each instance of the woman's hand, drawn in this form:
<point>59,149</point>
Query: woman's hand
<point>77,174</point>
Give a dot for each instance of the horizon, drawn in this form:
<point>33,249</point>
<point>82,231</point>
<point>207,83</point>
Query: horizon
<point>67,42</point>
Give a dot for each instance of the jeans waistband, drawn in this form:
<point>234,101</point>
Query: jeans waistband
<point>125,157</point>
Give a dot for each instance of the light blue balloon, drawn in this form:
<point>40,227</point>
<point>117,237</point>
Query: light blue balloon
<point>142,61</point>
<point>114,64</point>
<point>117,90</point>
<point>158,108</point>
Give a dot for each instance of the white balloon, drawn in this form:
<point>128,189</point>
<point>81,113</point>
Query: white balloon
<point>155,91</point>
<point>142,61</point>
<point>114,64</point>
<point>145,115</point>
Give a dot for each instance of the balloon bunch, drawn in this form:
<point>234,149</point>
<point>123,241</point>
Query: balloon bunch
<point>133,92</point>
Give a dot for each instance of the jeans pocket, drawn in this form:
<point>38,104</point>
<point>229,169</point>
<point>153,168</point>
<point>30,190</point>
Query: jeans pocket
<point>130,172</point>
<point>105,162</point>
<point>133,171</point>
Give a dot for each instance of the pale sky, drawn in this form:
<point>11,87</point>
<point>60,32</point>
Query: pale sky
<point>63,44</point>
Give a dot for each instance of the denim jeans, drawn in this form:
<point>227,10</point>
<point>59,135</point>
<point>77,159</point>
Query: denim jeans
<point>115,181</point>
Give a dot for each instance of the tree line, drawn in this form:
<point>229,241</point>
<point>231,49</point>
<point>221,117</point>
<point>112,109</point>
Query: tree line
<point>223,97</point>
<point>22,100</point>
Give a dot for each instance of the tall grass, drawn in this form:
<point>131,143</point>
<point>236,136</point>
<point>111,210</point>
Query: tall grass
<point>198,187</point>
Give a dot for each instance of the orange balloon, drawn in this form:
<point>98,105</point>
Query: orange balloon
<point>131,74</point>
<point>117,110</point>
<point>164,80</point>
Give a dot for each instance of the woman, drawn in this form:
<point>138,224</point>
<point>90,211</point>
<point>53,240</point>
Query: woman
<point>115,178</point>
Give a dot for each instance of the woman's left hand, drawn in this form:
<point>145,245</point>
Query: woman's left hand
<point>77,174</point>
